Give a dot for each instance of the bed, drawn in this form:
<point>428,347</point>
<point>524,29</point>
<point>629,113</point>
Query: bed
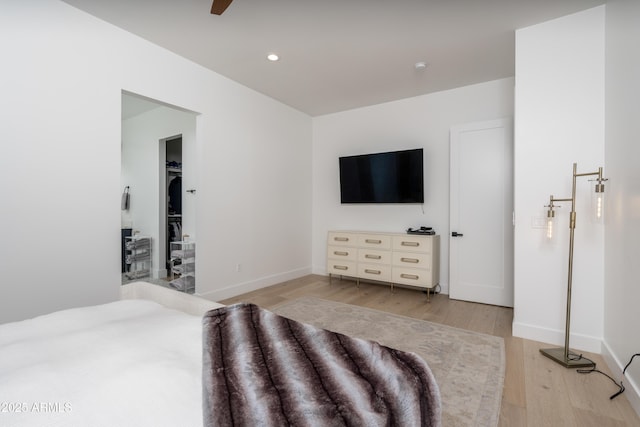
<point>138,362</point>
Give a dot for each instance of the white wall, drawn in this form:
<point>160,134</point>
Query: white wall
<point>622,270</point>
<point>420,122</point>
<point>60,105</point>
<point>257,210</point>
<point>559,121</point>
<point>145,174</point>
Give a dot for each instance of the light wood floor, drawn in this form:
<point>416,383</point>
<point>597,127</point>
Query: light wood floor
<point>537,391</point>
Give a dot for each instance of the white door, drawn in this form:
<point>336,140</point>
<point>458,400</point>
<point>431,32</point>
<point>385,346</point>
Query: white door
<point>481,213</point>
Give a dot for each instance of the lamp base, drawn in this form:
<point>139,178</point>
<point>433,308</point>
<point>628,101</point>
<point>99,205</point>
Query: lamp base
<point>557,355</point>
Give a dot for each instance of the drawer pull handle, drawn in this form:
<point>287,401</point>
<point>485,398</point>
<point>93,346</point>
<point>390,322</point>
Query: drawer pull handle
<point>372,271</point>
<point>411,260</point>
<point>341,239</point>
<point>369,256</point>
<point>410,243</point>
<point>340,267</point>
<point>374,241</point>
<point>409,276</point>
<point>341,253</point>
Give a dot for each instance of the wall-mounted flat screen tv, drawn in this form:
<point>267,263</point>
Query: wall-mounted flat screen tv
<point>393,177</point>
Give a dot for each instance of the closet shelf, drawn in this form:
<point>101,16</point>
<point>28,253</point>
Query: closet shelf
<point>138,256</point>
<point>183,265</point>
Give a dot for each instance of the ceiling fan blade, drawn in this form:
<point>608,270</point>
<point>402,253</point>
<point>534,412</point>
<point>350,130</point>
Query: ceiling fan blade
<point>220,6</point>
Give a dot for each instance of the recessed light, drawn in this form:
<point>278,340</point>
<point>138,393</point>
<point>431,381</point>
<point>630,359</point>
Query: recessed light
<point>273,57</point>
<point>420,65</point>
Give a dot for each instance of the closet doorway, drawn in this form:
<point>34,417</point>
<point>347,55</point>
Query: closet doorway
<point>153,133</point>
<point>172,195</point>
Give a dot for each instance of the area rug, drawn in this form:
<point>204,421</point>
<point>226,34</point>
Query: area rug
<point>468,366</point>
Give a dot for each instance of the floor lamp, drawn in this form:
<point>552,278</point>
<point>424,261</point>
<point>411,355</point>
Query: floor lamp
<point>563,356</point>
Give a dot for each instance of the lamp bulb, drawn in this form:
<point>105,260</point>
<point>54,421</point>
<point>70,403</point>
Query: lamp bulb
<point>550,228</point>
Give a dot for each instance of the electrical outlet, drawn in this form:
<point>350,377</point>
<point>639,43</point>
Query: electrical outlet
<point>238,267</point>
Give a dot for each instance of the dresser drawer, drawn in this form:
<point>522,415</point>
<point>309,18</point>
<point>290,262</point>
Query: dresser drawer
<point>372,256</point>
<point>374,272</point>
<point>374,241</point>
<point>412,259</point>
<point>345,268</point>
<point>337,238</point>
<point>412,276</point>
<point>413,243</point>
<point>343,253</point>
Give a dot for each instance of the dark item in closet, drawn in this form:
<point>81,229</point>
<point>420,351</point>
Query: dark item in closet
<point>175,195</point>
<point>124,204</point>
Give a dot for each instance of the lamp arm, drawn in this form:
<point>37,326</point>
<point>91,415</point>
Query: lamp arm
<point>572,215</point>
<point>553,199</point>
<point>599,173</point>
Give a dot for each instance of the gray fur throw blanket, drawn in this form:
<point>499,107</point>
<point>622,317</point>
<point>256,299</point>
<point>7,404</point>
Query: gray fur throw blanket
<point>262,369</point>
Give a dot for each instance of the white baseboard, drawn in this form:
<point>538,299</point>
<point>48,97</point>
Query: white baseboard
<point>160,274</point>
<point>444,288</point>
<point>556,337</point>
<point>632,391</point>
<point>321,271</point>
<point>253,285</point>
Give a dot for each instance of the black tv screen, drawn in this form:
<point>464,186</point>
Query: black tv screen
<point>393,177</point>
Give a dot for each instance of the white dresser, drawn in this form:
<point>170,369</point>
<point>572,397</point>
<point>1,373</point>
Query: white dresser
<point>396,258</point>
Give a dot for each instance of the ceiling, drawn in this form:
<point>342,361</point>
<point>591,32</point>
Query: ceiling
<point>337,55</point>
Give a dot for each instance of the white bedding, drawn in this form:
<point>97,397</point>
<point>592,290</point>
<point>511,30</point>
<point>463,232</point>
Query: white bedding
<point>127,363</point>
